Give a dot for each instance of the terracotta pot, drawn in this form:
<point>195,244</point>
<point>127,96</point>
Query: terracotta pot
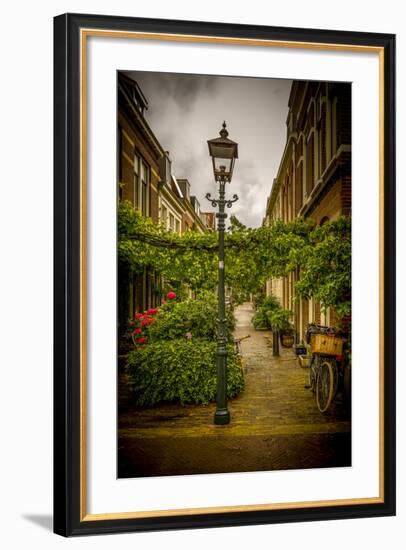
<point>287,340</point>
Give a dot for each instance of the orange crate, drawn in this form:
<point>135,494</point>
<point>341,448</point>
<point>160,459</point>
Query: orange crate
<point>326,344</point>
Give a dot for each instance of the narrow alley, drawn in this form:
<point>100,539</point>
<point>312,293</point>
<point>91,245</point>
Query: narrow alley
<point>275,423</point>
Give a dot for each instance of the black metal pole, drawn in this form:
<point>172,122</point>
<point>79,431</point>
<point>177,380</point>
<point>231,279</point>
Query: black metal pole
<point>222,415</point>
<point>275,343</point>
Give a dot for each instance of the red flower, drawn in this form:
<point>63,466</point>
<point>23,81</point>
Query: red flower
<point>137,331</point>
<point>142,340</point>
<point>138,316</point>
<point>152,311</point>
<point>146,321</point>
<point>171,295</point>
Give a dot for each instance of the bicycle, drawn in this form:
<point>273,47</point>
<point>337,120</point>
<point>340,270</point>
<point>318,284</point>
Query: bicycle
<point>238,349</point>
<point>326,345</point>
<point>237,344</point>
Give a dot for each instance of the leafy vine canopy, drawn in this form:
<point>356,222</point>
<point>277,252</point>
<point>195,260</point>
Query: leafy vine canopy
<point>322,255</point>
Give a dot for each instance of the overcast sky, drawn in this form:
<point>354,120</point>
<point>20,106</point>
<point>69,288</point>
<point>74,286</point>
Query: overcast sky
<point>184,111</point>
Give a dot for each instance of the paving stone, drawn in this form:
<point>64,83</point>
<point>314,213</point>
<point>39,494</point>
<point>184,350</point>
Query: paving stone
<point>275,423</point>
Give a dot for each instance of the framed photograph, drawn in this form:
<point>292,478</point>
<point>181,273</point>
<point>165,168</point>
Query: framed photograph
<point>224,274</point>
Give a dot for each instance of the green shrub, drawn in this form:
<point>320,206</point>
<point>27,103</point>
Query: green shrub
<point>261,317</point>
<point>258,299</point>
<point>199,317</point>
<point>182,371</point>
<point>270,302</point>
<point>281,319</point>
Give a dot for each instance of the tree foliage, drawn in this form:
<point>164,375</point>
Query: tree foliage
<point>326,270</point>
<point>322,254</point>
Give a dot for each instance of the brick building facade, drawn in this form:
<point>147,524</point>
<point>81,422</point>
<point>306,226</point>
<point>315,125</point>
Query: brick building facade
<point>145,179</point>
<point>314,176</point>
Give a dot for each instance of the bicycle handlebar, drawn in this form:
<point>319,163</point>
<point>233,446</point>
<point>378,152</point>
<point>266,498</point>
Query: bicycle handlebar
<point>237,340</point>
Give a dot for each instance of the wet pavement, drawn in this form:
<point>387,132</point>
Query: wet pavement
<point>275,423</point>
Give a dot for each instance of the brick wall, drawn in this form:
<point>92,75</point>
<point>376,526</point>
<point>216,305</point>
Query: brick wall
<point>127,160</point>
<point>140,291</point>
<point>131,142</point>
<point>153,197</point>
<point>346,184</point>
<point>304,318</point>
<point>329,206</point>
<point>335,199</point>
<point>317,313</point>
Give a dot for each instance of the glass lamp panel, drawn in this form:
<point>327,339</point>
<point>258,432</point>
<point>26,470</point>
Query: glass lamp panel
<point>226,162</point>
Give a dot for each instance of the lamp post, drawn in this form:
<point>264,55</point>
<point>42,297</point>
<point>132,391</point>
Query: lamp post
<point>223,153</point>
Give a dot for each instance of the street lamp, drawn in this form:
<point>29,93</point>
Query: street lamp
<point>223,153</point>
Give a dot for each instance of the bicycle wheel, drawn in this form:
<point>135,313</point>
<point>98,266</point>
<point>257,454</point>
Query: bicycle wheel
<point>324,386</point>
<point>336,377</point>
<point>313,372</point>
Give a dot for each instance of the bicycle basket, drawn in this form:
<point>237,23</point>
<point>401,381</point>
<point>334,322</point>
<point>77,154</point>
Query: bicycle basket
<point>326,344</point>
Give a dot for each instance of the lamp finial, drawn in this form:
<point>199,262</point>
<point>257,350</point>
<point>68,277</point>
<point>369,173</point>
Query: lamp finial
<point>223,131</point>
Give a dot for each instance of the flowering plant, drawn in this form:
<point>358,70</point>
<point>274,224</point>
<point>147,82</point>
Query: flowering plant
<point>140,323</point>
<point>143,320</point>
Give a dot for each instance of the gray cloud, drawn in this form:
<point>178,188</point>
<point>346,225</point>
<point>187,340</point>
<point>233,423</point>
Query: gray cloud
<point>187,110</point>
<point>183,89</point>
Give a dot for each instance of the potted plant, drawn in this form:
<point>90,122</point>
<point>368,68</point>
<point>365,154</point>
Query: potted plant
<point>287,338</point>
<point>261,318</point>
<point>280,320</point>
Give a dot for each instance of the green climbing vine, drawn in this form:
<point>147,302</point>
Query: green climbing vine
<point>323,255</point>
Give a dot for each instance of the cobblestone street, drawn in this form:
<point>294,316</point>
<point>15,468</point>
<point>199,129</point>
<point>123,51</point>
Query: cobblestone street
<point>275,423</point>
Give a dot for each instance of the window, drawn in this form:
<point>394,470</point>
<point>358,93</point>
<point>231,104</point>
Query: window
<point>171,222</point>
<point>136,179</point>
<point>309,165</point>
<point>298,189</point>
<point>285,204</point>
<point>141,184</point>
<point>144,188</point>
<point>290,198</point>
<point>164,216</point>
<point>177,226</point>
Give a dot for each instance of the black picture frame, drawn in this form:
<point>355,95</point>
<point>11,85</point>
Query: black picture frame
<point>67,351</point>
